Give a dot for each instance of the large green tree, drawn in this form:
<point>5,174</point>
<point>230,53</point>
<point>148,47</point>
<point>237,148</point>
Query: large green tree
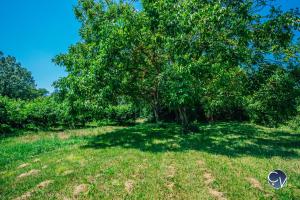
<point>177,56</point>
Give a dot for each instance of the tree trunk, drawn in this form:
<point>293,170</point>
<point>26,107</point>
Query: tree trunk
<point>156,114</point>
<point>183,118</point>
<point>156,106</point>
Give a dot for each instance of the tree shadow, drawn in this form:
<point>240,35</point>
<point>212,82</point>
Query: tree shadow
<point>15,132</point>
<point>230,139</point>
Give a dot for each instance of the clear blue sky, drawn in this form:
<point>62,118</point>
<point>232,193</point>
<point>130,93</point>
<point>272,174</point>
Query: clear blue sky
<point>34,31</point>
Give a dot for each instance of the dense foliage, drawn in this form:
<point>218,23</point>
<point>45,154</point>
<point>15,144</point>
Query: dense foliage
<point>186,60</point>
<point>41,112</point>
<point>16,81</point>
<point>49,112</point>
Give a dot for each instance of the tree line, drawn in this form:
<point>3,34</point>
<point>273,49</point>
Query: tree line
<point>183,61</point>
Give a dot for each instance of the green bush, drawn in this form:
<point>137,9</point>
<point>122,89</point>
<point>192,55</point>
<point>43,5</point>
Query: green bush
<point>3,110</point>
<point>12,112</point>
<point>4,125</point>
<point>275,101</point>
<point>294,123</point>
<point>121,113</point>
<point>42,112</point>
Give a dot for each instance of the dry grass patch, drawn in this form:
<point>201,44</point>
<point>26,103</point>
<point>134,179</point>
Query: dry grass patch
<point>140,120</point>
<point>68,172</point>
<point>170,185</point>
<point>91,132</point>
<point>115,182</point>
<point>44,184</point>
<point>30,173</point>
<point>254,183</point>
<point>63,135</point>
<point>216,194</point>
<point>200,163</point>
<point>25,196</point>
<point>30,138</point>
<point>45,166</point>
<point>208,178</point>
<point>129,185</point>
<point>83,188</point>
<point>23,165</point>
<point>171,171</point>
<point>29,194</point>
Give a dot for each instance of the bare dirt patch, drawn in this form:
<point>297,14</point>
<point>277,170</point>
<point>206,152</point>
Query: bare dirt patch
<point>218,195</point>
<point>25,196</point>
<point>254,183</point>
<point>208,178</point>
<point>30,173</point>
<point>44,184</point>
<point>171,171</point>
<point>83,188</point>
<point>129,185</point>
<point>170,185</point>
<point>29,194</point>
<point>23,165</point>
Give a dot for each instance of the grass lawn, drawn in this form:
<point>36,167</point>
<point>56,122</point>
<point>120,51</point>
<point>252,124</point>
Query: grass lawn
<point>149,161</point>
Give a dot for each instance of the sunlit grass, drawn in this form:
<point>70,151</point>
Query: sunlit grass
<point>148,161</point>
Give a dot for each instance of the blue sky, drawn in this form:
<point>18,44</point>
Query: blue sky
<point>34,31</point>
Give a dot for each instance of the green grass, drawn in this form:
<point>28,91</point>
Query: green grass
<point>150,161</point>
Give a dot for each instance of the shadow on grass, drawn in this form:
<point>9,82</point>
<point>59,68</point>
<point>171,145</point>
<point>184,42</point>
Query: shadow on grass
<point>231,139</point>
<point>15,132</point>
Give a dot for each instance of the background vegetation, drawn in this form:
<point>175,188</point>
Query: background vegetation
<point>178,61</point>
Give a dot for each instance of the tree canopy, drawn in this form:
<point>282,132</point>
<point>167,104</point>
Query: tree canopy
<point>16,81</point>
<point>189,59</point>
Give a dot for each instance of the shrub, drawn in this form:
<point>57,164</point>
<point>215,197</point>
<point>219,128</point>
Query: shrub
<point>42,112</point>
<point>275,101</point>
<point>121,113</point>
<point>294,123</point>
<point>12,112</point>
<point>3,110</point>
